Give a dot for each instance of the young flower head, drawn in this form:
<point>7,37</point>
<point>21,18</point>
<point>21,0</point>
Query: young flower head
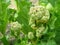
<point>39,31</point>
<point>39,13</point>
<point>15,26</point>
<point>11,39</point>
<point>30,35</point>
<point>34,2</point>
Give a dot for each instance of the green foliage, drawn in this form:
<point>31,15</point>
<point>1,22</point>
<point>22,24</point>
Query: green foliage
<point>3,15</point>
<point>3,19</point>
<point>23,10</point>
<point>19,36</point>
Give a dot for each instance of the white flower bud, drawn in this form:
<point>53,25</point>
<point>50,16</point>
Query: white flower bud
<point>34,2</point>
<point>39,31</point>
<point>46,17</point>
<point>30,35</point>
<point>12,5</point>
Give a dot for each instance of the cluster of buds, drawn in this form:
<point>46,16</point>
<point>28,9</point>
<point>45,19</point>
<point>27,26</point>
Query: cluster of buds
<point>15,26</point>
<point>40,31</point>
<point>38,14</point>
<point>11,39</point>
<point>30,35</point>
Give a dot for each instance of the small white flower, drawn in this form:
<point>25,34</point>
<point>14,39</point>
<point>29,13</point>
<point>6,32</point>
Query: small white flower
<point>11,38</point>
<point>30,35</point>
<point>12,5</point>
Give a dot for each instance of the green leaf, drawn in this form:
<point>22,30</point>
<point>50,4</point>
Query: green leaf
<point>51,42</point>
<point>23,16</point>
<point>46,29</point>
<point>3,19</point>
<point>43,43</point>
<point>52,22</point>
